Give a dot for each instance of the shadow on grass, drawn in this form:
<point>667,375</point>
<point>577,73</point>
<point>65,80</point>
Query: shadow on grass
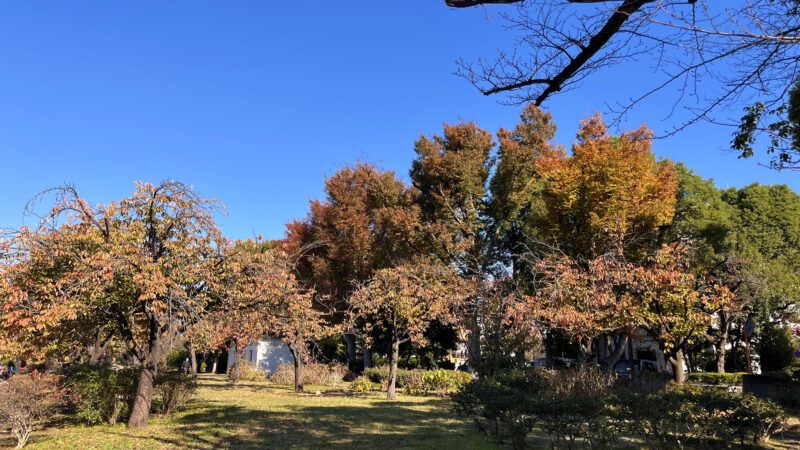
<point>377,425</point>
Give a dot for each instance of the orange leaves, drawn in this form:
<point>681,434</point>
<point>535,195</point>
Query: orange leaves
<point>608,184</point>
<point>409,297</point>
<point>610,294</point>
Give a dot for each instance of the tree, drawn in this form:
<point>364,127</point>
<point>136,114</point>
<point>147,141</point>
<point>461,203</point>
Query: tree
<point>594,302</point>
<point>368,221</point>
<point>612,295</point>
<point>144,264</point>
<point>516,205</point>
<point>257,296</point>
<point>783,131</point>
<point>408,298</point>
<point>609,186</point>
<point>709,224</point>
<point>713,54</point>
<point>678,306</point>
<point>451,173</point>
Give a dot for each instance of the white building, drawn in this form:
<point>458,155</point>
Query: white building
<point>266,354</point>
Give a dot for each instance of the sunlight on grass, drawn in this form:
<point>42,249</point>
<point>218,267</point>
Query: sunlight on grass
<point>264,415</point>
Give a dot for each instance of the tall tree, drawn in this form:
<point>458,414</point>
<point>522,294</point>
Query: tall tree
<point>609,186</point>
<point>451,174</point>
<point>368,221</point>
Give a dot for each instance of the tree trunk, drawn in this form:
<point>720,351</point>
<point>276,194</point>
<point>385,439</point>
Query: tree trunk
<point>614,356</point>
<point>216,360</point>
<point>474,343</point>
<point>298,367</point>
<point>140,412</point>
<point>395,355</point>
<point>724,325</point>
<point>367,357</point>
<point>350,340</point>
<point>237,365</point>
<point>98,347</point>
<point>193,360</point>
<point>677,367</point>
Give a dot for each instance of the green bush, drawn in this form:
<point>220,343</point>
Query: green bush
<point>756,418</point>
<point>172,391</point>
<point>443,382</point>
<point>504,406</point>
<point>590,419</point>
<point>361,384</point>
<point>440,382</point>
<point>727,379</point>
<point>381,374</point>
<point>681,416</point>
<point>581,407</point>
<point>101,393</point>
<point>776,347</point>
<point>176,358</point>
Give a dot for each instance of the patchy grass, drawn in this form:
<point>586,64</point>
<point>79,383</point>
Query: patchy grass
<point>265,415</point>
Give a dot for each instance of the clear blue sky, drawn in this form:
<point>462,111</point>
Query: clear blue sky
<point>255,102</point>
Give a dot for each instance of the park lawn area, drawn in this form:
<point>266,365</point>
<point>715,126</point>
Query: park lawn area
<point>264,415</point>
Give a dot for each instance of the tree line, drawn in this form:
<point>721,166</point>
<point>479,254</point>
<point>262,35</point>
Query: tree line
<point>508,241</point>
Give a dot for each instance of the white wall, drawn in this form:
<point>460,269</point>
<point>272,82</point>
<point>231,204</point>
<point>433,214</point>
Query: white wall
<point>266,354</point>
<point>272,353</point>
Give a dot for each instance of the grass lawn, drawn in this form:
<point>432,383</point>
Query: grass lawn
<point>264,415</point>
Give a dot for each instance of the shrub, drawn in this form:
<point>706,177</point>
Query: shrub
<point>283,374</point>
<point>337,373</point>
<point>27,398</point>
<point>504,405</point>
<point>381,375</point>
<point>591,419</point>
<point>776,346</point>
<point>361,384</point>
<point>577,405</point>
<point>443,382</point>
<point>101,393</point>
<point>586,380</point>
<point>756,418</point>
<point>248,372</point>
<point>313,373</point>
<point>682,415</point>
<point>414,384</point>
<point>176,358</point>
<point>172,391</point>
<point>439,381</point>
<point>728,379</point>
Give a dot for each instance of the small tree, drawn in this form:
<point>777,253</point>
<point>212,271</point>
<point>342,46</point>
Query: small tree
<point>406,299</point>
<point>26,399</point>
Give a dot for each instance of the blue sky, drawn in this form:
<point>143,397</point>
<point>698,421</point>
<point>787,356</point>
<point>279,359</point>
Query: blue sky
<point>255,102</point>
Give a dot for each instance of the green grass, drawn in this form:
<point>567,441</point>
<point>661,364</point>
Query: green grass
<point>264,415</point>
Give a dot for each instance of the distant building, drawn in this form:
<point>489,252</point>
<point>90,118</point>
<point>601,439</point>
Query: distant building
<point>266,354</point>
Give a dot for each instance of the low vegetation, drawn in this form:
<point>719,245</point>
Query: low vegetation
<point>263,414</point>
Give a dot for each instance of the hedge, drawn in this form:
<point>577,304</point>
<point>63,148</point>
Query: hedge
<point>728,379</point>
